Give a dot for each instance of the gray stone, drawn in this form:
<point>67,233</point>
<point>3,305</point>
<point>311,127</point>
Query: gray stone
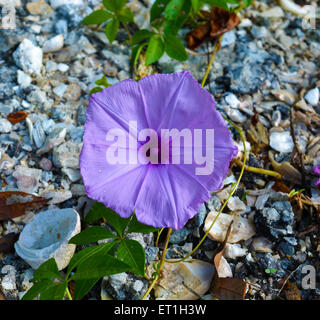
<point>67,155</point>
<point>180,235</point>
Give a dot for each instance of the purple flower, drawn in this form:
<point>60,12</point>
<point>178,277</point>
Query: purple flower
<point>316,170</point>
<point>162,193</point>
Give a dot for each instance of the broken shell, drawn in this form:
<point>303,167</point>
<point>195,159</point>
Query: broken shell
<point>224,269</point>
<point>47,236</point>
<point>242,228</point>
<point>177,277</point>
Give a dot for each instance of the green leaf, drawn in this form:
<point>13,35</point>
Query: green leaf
<point>157,9</point>
<point>92,234</point>
<point>132,253</point>
<point>97,17</point>
<point>54,292</point>
<point>82,287</point>
<point>173,9</point>
<point>118,223</point>
<point>114,5</point>
<point>155,49</point>
<point>141,35</point>
<point>175,48</point>
<point>103,82</point>
<point>247,2</point>
<point>95,90</point>
<point>95,213</point>
<point>126,15</point>
<point>47,271</point>
<point>98,266</point>
<point>112,29</point>
<point>99,211</point>
<point>85,254</point>
<point>218,3</point>
<point>136,226</point>
<point>36,289</point>
<point>172,27</point>
<point>196,5</point>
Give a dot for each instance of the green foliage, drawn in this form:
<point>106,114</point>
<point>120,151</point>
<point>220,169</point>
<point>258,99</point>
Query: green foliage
<point>155,49</point>
<point>101,82</point>
<point>88,265</point>
<point>167,17</point>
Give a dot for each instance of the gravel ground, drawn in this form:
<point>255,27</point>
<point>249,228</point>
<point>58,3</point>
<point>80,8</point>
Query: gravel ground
<point>265,78</point>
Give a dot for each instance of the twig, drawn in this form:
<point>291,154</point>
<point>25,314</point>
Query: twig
<point>285,281</point>
<point>293,134</point>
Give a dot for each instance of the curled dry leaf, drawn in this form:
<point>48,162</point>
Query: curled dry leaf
<point>7,243</point>
<point>291,291</point>
<point>15,204</point>
<point>218,22</point>
<point>17,117</point>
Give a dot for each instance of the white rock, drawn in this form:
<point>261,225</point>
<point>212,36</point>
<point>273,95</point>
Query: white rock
<point>234,251</point>
<point>261,244</point>
<point>232,100</point>
<point>24,79</point>
<point>235,204</point>
<point>273,13</point>
<point>242,228</point>
<point>281,141</point>
<point>28,57</point>
<point>63,67</point>
<point>195,274</point>
<point>57,3</point>
<point>51,66</point>
<point>60,90</point>
<point>54,44</point>
<point>47,236</point>
<point>5,125</point>
<point>14,3</point>
<point>312,97</point>
<point>27,178</point>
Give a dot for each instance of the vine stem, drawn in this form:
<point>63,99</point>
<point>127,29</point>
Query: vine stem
<point>226,202</point>
<point>128,31</point>
<point>261,171</point>
<point>68,293</point>
<point>214,52</point>
<point>162,260</point>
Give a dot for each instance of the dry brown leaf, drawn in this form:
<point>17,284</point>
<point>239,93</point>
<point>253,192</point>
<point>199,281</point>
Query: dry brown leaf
<point>229,289</point>
<point>226,288</point>
<point>7,242</point>
<point>15,204</point>
<point>258,136</point>
<point>2,297</point>
<point>219,21</point>
<point>218,256</point>
<point>291,291</point>
<point>17,116</point>
<point>281,187</point>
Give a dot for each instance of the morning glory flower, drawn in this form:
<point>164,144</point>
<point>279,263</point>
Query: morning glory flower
<point>156,147</point>
<point>316,170</point>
